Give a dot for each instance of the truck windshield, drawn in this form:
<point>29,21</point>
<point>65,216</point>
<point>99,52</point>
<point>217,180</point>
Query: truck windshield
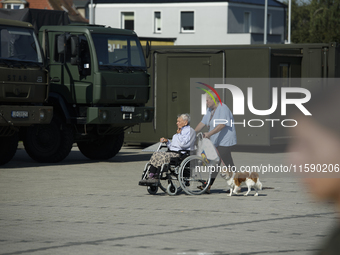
<point>118,51</point>
<point>19,44</point>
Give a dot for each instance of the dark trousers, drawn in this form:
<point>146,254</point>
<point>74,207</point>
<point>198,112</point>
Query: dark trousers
<point>225,154</point>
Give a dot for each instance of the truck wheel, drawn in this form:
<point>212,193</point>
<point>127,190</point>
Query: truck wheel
<point>8,148</point>
<point>49,143</point>
<point>103,148</point>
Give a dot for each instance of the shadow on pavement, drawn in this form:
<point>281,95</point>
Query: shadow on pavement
<point>22,160</point>
<point>236,148</point>
<point>260,149</point>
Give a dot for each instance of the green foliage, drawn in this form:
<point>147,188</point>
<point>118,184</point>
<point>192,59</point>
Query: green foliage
<point>300,22</point>
<point>317,21</point>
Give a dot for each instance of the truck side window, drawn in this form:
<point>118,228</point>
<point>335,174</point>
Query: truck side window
<point>84,56</point>
<point>60,57</point>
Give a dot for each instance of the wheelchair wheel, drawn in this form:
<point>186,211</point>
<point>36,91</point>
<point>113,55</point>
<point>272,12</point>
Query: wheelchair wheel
<point>166,178</point>
<point>171,190</point>
<point>194,175</point>
<point>152,190</point>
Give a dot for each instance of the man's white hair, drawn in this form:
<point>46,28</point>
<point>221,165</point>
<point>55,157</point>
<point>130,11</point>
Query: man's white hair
<point>185,117</point>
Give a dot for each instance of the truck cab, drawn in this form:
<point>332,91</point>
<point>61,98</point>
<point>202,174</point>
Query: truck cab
<point>99,88</point>
<point>24,85</point>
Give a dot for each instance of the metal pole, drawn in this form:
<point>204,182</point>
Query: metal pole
<point>265,22</point>
<point>91,13</point>
<point>289,19</point>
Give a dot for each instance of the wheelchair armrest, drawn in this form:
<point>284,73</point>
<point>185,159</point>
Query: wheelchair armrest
<point>185,154</point>
<point>186,151</point>
<point>162,145</point>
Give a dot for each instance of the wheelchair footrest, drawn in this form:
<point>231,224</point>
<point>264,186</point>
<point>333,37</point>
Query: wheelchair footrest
<point>141,183</point>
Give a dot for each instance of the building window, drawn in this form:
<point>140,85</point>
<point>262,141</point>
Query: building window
<point>269,23</point>
<point>246,22</point>
<point>128,20</point>
<point>187,21</point>
<point>14,6</point>
<point>158,22</point>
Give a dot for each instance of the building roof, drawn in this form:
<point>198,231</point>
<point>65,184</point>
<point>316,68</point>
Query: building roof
<point>80,3</point>
<point>58,5</point>
<point>67,5</point>
<point>255,2</point>
<point>259,2</point>
<point>37,17</point>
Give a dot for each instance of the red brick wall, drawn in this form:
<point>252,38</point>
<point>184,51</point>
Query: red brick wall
<point>39,4</point>
<point>35,4</point>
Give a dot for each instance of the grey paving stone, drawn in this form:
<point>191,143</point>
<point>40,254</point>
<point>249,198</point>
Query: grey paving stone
<point>83,207</point>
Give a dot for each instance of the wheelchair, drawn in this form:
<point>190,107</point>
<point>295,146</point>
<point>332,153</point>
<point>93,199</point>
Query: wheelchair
<point>186,173</point>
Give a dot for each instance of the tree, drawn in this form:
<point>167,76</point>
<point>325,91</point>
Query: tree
<point>324,21</point>
<point>300,22</point>
<point>316,21</point>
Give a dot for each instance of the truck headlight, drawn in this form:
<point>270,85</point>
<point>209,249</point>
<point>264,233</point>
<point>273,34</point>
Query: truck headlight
<point>104,115</point>
<point>146,115</point>
<point>41,114</point>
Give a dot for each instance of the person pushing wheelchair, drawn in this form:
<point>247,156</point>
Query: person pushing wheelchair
<point>223,136</point>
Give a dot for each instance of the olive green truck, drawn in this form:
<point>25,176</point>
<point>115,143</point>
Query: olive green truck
<point>98,88</point>
<point>24,85</point>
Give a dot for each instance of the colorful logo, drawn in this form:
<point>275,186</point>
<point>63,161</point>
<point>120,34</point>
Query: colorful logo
<point>204,156</point>
<point>209,93</point>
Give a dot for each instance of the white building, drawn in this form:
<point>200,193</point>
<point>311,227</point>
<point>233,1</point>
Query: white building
<point>196,22</point>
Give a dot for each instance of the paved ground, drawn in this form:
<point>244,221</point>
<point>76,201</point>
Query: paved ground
<point>84,207</point>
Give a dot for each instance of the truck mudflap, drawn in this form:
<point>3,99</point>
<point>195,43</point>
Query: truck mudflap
<point>119,116</point>
<point>25,115</point>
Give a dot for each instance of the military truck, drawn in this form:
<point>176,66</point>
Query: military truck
<point>23,85</point>
<point>99,87</point>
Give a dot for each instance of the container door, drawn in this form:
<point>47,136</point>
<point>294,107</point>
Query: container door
<point>170,89</point>
<point>285,65</point>
<point>180,69</point>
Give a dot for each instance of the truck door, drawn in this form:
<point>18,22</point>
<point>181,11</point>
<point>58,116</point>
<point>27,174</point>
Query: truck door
<point>75,80</point>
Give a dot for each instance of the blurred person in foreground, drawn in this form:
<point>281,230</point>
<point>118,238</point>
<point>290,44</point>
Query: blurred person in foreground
<point>316,140</point>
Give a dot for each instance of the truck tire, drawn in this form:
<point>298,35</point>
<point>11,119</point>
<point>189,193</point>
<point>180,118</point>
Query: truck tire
<point>103,148</point>
<point>8,148</point>
<point>49,143</point>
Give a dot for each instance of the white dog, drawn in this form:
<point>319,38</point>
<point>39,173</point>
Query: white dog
<point>236,180</point>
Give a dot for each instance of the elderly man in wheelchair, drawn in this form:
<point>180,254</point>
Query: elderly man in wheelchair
<point>173,170</point>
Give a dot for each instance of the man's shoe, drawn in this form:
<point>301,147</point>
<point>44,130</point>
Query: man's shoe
<point>200,187</point>
<point>208,190</point>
